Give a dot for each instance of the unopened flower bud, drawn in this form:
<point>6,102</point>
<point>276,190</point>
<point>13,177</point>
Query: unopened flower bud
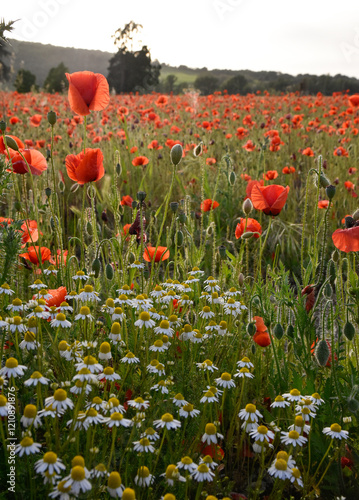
<point>247,206</point>
<point>198,150</point>
<point>241,279</point>
<point>48,192</point>
<point>176,154</point>
<point>349,330</point>
<point>232,178</point>
<point>182,217</point>
<point>322,353</point>
<point>174,206</point>
<point>141,196</point>
<point>2,126</point>
<point>324,181</point>
<point>11,143</point>
<point>109,272</point>
<point>51,117</point>
<point>74,188</point>
<point>278,331</point>
<point>330,191</point>
<point>247,235</point>
<point>251,329</point>
<point>96,267</point>
<point>180,238</point>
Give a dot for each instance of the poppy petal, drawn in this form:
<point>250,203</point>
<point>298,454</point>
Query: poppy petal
<point>102,94</point>
<point>258,200</point>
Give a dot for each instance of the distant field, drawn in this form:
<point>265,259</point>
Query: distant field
<point>181,75</point>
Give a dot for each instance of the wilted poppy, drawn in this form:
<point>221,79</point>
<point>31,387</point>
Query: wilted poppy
<point>269,199</point>
<point>347,240</point>
<point>34,253</point>
<point>87,92</point>
<point>140,161</point>
<point>35,160</point>
<point>85,167</point>
<point>253,226</point>
<point>309,291</point>
<point>162,254</point>
<point>208,205</point>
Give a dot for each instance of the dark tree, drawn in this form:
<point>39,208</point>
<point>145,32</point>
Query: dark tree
<point>25,80</point>
<point>207,84</point>
<point>236,85</point>
<point>56,80</point>
<point>131,70</point>
<point>5,52</point>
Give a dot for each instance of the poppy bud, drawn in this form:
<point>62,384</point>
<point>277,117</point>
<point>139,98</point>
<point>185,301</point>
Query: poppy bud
<point>74,188</point>
<point>96,267</point>
<point>174,206</point>
<point>51,117</point>
<point>353,405</point>
<point>349,330</point>
<point>241,279</point>
<point>61,187</point>
<point>89,228</point>
<point>109,272</point>
<point>134,204</point>
<point>222,252</point>
<point>131,258</point>
<point>251,329</point>
<point>198,149</point>
<point>2,126</point>
<point>118,169</point>
<point>209,230</point>
<point>330,191</point>
<point>179,237</point>
<point>290,331</point>
<point>247,235</point>
<point>182,217</point>
<point>247,206</point>
<point>322,353</point>
<point>324,181</point>
<point>335,256</point>
<point>176,154</point>
<point>356,215</point>
<point>328,290</point>
<point>48,192</point>
<point>232,178</point>
<point>278,331</point>
<point>11,143</point>
<point>141,195</point>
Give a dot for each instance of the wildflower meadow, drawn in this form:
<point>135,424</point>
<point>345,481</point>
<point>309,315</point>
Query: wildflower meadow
<point>179,295</point>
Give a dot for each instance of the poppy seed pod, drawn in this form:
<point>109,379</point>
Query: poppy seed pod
<point>176,154</point>
<point>247,206</point>
<point>74,188</point>
<point>141,196</point>
<point>349,330</point>
<point>61,187</point>
<point>335,256</point>
<point>118,169</point>
<point>109,272</point>
<point>2,126</point>
<point>174,206</point>
<point>322,352</point>
<point>330,191</point>
<point>11,143</point>
<point>328,291</point>
<point>48,192</point>
<point>131,257</point>
<point>134,204</point>
<point>51,117</point>
<point>96,267</point>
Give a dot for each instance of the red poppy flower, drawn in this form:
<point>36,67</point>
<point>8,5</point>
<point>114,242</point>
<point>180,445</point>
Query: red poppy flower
<point>307,152</point>
<point>340,151</point>
<point>251,184</point>
<point>162,100</point>
<point>162,254</point>
<point>260,326</point>
<point>154,145</point>
<point>211,161</point>
<point>87,92</point>
<point>347,240</point>
<point>288,170</point>
<point>261,337</point>
<point>140,161</point>
<point>270,175</point>
<point>88,167</point>
<point>253,226</point>
<point>58,296</point>
<point>35,159</point>
<point>208,205</point>
<point>354,100</point>
<point>35,120</point>
<point>269,199</point>
<point>30,232</point>
<point>323,203</point>
<point>127,200</point>
<point>249,146</point>
<point>33,254</point>
<point>57,260</point>
<point>126,228</point>
<point>16,139</point>
<point>5,220</point>
<point>349,186</point>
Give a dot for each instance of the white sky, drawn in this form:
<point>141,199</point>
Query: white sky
<point>303,36</point>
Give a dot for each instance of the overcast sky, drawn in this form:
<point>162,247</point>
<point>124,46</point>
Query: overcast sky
<point>304,36</point>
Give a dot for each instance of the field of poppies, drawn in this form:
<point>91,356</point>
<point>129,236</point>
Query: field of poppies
<point>179,295</point>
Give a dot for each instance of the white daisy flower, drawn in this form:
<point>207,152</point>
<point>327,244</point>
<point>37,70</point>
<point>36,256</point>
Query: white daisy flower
<point>151,434</point>
<point>208,460</point>
<point>174,321</point>
<point>293,438</point>
<point>79,423</point>
<point>167,421</point>
<point>88,294</point>
<point>137,265</point>
<point>90,362</point>
<point>3,406</point>
<point>160,387</point>
<point>81,276</point>
<point>17,306</point>
<point>280,402</point>
<point>12,368</point>
<point>59,400</point>
<point>207,365</point>
<point>125,290</point>
<point>139,403</point>
<point>145,320</point>
<point>244,373</point>
<point>335,432</point>
<point>39,312</point>
<point>172,474</point>
<point>209,397</point>
<point>196,272</point>
<point>206,313</point>
<point>6,290</point>
<point>185,300</point>
<point>250,412</point>
<point>108,374</point>
<point>37,285</point>
<point>158,346</point>
<point>225,381</point>
<point>84,314</point>
<point>60,320</point>
<point>262,433</point>
<point>293,395</point>
<point>117,419</point>
<point>60,492</point>
<point>118,314</point>
<point>49,463</point>
<point>202,473</point>
<point>123,300</point>
<point>50,270</point>
<point>179,400</point>
<point>114,485</point>
<point>211,435</point>
<point>164,329</point>
<point>317,400</point>
<point>157,292</point>
<point>15,324</point>
<point>113,405</point>
<point>212,327</point>
<point>27,447</point>
<point>130,358</point>
<point>191,280</point>
<point>30,417</point>
<point>299,425</point>
<point>296,477</point>
<point>30,343</point>
<point>49,411</point>
<point>245,363</point>
<point>99,471</point>
<point>143,445</point>
<point>84,375</point>
<point>144,478</point>
<point>279,469</point>
<point>77,480</point>
<point>186,463</point>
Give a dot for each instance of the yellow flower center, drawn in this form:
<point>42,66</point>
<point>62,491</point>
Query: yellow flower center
<point>90,360</point>
<point>139,400</point>
<point>145,316</point>
<point>167,417</point>
<point>88,288</point>
<point>113,402</point>
<point>118,310</point>
<point>11,363</point>
<point>61,317</point>
<point>109,370</point>
<point>282,455</point>
<point>144,442</point>
<point>281,464</point>
<point>91,412</point>
<point>335,428</point>
<point>116,328</point>
<point>203,468</point>
<point>279,399</point>
<point>105,348</point>
<point>143,472</point>
<point>223,326</point>
<point>114,480</point>
<point>130,355</point>
<point>164,324</point>
<point>100,468</point>
<point>50,457</point>
<point>293,435</point>
<point>158,343</point>
<point>116,416</point>
<point>299,421</point>
<point>3,400</point>
<point>17,320</point>
<point>262,429</point>
<point>209,394</point>
<point>250,408</point>
<point>110,303</point>
<point>78,460</point>
<point>208,362</point>
<point>30,411</point>
<point>60,395</point>
<point>173,318</point>
<point>226,376</point>
<point>186,460</point>
<point>61,487</point>
<point>206,309</point>
<point>78,473</point>
<point>210,429</point>
<point>29,337</point>
<point>84,311</point>
<point>207,459</point>
<point>26,442</point>
<point>296,473</point>
<point>171,471</point>
<point>188,407</point>
<point>295,392</point>
<point>128,494</point>
<point>16,302</point>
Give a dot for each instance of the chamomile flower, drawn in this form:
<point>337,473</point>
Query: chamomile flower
<point>157,292</point>
<point>164,328</point>
<point>49,411</point>
<point>145,320</point>
<point>113,405</point>
<point>296,477</point>
<point>335,432</point>
<point>139,403</point>
<point>79,423</point>
<point>105,351</point>
<point>50,478</point>
<point>17,306</point>
<point>208,460</point>
<point>37,285</point>
<point>299,425</point>
<point>43,295</point>
<point>143,477</point>
<point>88,294</point>
<point>222,328</point>
<point>158,346</point>
<point>179,400</point>
<point>212,327</point>
<point>99,471</point>
<point>61,492</point>
<point>114,485</point>
<point>12,368</point>
<point>39,312</point>
<point>250,412</point>
<point>109,306</point>
<point>196,272</point>
<point>27,446</point>
<point>3,406</point>
<point>279,402</point>
<point>3,324</point>
<point>211,435</point>
<point>60,320</point>
<point>191,280</point>
<point>118,314</point>
<point>187,332</point>
<point>143,445</point>
<point>49,463</point>
<point>212,284</point>
<point>214,298</point>
<point>123,300</point>
<point>225,381</point>
<point>50,270</point>
<point>186,463</point>
<point>97,403</point>
<point>293,395</point>
<point>209,397</point>
<point>245,363</point>
<point>279,469</point>
<point>15,324</point>
<point>160,387</point>
<point>30,417</point>
<point>77,480</point>
<point>188,410</point>
<point>59,400</point>
<point>154,314</point>
<point>317,400</point>
<point>72,296</point>
<point>207,365</point>
<point>128,494</point>
<point>305,412</point>
<point>172,474</point>
<point>84,375</point>
<point>80,276</point>
<point>64,306</point>
<point>90,362</point>
<point>262,433</point>
<point>126,290</point>
<point>84,314</point>
<point>167,421</point>
<point>137,265</point>
<point>130,358</point>
<point>118,420</point>
<point>151,434</point>
<point>293,438</point>
<point>6,290</point>
<point>244,373</point>
<point>197,337</point>
<point>30,343</point>
<point>206,313</point>
<point>174,321</point>
<point>185,300</point>
<point>202,473</point>
<point>109,375</point>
